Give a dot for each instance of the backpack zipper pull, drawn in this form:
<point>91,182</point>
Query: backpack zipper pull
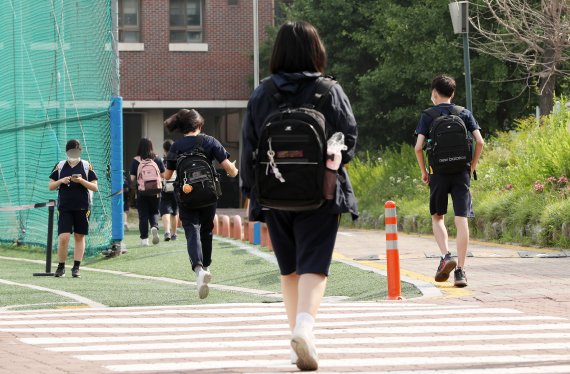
<point>276,172</point>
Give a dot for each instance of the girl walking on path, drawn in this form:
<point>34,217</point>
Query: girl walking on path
<point>198,222</point>
<point>303,241</point>
<point>147,200</point>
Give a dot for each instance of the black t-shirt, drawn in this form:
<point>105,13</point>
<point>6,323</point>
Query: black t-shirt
<point>213,149</point>
<point>73,196</point>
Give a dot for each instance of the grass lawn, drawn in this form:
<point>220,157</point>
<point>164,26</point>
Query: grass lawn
<point>232,266</point>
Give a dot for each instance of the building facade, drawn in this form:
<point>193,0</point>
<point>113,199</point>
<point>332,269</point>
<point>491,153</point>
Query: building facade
<point>195,54</point>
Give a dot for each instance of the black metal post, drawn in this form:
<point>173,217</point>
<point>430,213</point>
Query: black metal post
<point>49,244</point>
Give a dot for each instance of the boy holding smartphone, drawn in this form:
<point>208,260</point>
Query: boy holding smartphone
<point>75,179</point>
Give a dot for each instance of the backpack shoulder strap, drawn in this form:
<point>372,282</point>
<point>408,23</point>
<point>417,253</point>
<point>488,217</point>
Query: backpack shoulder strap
<point>86,167</point>
<point>432,112</point>
<point>199,145</point>
<point>322,89</point>
<point>59,167</point>
<point>456,109</point>
<point>273,91</point>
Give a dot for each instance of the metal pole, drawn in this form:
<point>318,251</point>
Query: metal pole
<point>466,61</point>
<point>49,244</point>
<point>255,44</point>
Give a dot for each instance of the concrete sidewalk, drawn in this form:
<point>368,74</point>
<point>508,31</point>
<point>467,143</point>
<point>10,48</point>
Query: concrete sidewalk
<point>530,279</point>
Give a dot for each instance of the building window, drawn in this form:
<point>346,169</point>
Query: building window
<point>186,18</point>
<point>129,21</point>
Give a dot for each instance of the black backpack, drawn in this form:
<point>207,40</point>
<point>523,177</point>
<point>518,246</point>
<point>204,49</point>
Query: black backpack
<point>291,152</point>
<point>449,144</point>
<point>194,169</point>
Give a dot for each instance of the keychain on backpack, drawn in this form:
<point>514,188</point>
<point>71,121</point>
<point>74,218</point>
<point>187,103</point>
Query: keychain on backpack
<point>186,188</point>
<point>276,172</point>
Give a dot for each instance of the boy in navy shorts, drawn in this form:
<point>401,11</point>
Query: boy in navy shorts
<point>75,179</point>
<point>441,185</point>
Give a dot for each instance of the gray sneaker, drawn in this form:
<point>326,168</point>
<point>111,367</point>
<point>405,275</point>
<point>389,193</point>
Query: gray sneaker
<point>155,238</point>
<point>460,278</point>
<point>166,236</point>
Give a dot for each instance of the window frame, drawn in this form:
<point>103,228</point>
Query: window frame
<point>187,28</point>
<point>129,28</point>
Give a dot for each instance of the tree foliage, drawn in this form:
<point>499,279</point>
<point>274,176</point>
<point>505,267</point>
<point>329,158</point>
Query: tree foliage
<point>529,33</point>
<point>385,54</point>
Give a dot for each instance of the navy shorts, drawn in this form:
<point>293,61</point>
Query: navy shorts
<point>73,221</point>
<point>168,204</point>
<point>441,185</point>
<point>303,242</point>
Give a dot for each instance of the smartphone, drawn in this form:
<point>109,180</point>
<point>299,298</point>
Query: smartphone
<point>75,175</point>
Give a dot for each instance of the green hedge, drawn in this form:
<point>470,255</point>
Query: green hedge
<point>522,194</point>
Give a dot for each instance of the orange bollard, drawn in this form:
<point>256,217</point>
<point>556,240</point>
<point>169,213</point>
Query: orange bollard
<point>245,231</point>
<point>392,254</point>
<point>236,227</point>
<point>225,226</point>
<point>265,239</point>
<point>216,229</point>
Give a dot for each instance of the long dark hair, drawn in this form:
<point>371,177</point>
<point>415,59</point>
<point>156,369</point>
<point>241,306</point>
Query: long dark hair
<point>185,121</point>
<point>297,48</point>
<point>145,150</point>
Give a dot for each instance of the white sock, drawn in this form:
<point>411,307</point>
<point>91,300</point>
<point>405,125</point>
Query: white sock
<point>305,321</point>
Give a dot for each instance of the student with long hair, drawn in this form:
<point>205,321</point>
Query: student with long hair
<point>198,222</point>
<point>147,204</point>
<point>303,241</point>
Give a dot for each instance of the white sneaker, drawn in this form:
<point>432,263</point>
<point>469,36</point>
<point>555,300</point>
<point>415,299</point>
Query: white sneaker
<point>144,242</point>
<point>203,277</point>
<point>155,238</point>
<point>294,357</point>
<point>303,345</point>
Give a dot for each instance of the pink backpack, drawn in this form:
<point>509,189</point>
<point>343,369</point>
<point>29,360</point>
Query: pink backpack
<point>149,181</point>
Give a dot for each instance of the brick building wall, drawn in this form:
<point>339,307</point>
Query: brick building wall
<point>224,72</point>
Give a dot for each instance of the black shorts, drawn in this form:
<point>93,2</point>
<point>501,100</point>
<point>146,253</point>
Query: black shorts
<point>441,185</point>
<point>303,242</point>
<point>73,221</point>
<point>168,204</point>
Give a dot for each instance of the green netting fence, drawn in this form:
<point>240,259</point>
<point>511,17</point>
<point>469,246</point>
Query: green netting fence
<point>57,71</point>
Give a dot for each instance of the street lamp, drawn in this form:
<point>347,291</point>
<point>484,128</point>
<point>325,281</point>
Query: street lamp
<point>459,11</point>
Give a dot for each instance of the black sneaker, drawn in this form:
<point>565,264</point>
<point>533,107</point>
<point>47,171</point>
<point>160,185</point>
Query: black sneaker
<point>173,237</point>
<point>166,236</point>
<point>446,265</point>
<point>460,278</point>
<point>60,272</point>
<point>75,272</point>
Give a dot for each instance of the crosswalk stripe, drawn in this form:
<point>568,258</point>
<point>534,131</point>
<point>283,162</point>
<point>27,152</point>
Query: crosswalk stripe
<point>275,328</point>
<point>272,317</point>
<point>361,350</point>
<point>361,362</point>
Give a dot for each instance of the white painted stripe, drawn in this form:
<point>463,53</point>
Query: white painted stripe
<point>390,212</point>
<point>206,320</point>
<point>349,342</point>
<point>228,310</point>
<point>249,249</point>
<point>370,351</point>
<point>69,295</point>
<point>360,362</point>
<point>344,233</point>
<point>212,344</point>
<point>391,229</point>
<point>320,330</point>
<point>549,369</point>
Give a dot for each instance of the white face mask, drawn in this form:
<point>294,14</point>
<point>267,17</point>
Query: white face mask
<point>73,156</point>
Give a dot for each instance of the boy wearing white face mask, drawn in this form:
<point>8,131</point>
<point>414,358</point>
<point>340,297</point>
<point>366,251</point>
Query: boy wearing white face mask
<point>74,178</point>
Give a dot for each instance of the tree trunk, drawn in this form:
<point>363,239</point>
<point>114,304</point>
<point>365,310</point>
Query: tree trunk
<point>547,81</point>
<point>546,98</point>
